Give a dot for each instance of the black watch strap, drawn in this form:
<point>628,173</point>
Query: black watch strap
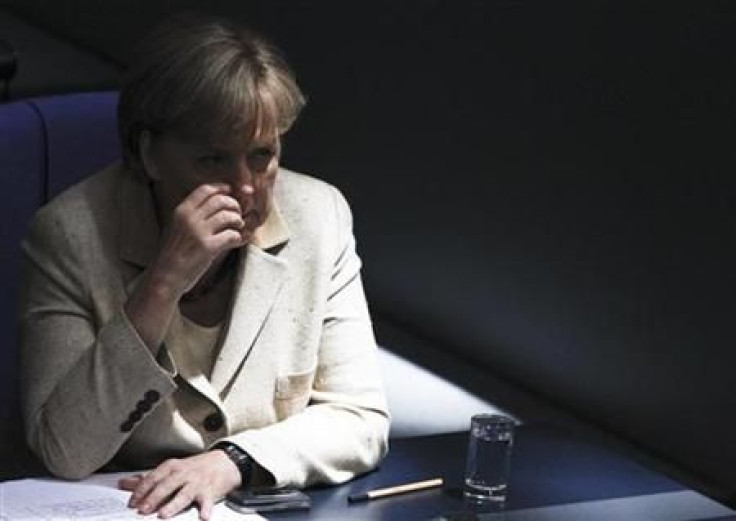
<point>241,459</point>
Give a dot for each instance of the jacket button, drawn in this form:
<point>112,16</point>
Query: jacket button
<point>127,426</point>
<point>213,422</point>
<point>151,396</point>
<point>143,406</point>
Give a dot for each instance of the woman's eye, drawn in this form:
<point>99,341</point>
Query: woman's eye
<point>260,158</point>
<point>262,152</point>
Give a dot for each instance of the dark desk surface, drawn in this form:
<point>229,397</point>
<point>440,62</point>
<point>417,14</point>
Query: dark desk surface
<point>549,467</point>
<point>550,471</point>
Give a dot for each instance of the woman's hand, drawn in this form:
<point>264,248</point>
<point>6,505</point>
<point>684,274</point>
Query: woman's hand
<point>204,226</point>
<point>178,483</point>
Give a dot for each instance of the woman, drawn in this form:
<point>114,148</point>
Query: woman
<point>197,309</point>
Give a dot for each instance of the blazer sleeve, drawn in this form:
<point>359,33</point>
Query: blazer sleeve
<point>87,377</point>
<point>344,430</point>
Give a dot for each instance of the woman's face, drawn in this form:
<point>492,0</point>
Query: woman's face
<point>246,163</point>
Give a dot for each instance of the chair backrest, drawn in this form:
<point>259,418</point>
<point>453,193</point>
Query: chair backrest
<point>22,170</point>
<point>46,144</point>
<point>81,135</point>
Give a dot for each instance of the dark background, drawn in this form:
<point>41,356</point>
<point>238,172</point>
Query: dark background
<point>544,189</point>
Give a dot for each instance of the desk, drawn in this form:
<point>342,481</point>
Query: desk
<point>554,477</point>
<point>549,467</point>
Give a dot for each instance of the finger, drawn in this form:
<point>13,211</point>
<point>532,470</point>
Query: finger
<point>148,484</point>
<point>228,239</point>
<point>225,220</point>
<point>219,212</point>
<point>129,482</point>
<point>202,193</point>
<point>205,508</point>
<point>218,202</point>
<point>181,500</point>
<point>160,494</point>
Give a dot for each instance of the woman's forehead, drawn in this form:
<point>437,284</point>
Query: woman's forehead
<point>242,133</point>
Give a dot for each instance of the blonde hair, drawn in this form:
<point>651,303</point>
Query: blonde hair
<point>204,77</point>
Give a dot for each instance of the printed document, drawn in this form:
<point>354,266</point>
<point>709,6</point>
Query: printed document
<point>94,499</point>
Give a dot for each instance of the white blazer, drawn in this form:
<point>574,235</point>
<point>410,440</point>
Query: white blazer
<point>295,384</point>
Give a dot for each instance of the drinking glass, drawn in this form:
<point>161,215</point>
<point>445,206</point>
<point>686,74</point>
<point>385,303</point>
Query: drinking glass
<point>489,458</point>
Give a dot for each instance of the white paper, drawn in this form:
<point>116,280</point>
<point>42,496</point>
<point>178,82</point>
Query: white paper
<point>94,499</point>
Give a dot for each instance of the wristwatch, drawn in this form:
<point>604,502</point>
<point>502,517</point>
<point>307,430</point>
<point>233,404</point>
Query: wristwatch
<point>241,459</point>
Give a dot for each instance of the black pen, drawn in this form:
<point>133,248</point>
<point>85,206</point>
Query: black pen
<point>398,489</point>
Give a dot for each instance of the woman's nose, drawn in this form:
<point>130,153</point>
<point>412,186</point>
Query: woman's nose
<point>244,180</point>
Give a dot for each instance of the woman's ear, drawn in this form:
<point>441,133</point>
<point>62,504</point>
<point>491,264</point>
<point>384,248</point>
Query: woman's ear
<point>145,146</point>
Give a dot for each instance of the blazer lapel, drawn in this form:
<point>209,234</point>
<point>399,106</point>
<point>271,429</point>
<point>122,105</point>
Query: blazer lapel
<point>260,278</point>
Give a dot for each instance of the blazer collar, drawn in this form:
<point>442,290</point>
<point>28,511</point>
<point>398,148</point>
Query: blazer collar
<point>140,228</point>
<point>260,279</point>
<point>273,232</point>
<point>138,225</point>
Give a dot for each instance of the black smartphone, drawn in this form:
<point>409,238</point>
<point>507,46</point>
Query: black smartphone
<point>267,500</point>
